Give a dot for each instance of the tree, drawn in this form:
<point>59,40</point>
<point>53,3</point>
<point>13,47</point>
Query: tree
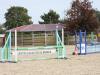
<point>50,17</point>
<point>62,21</point>
<point>81,16</point>
<point>17,16</point>
<point>98,14</point>
<point>2,29</point>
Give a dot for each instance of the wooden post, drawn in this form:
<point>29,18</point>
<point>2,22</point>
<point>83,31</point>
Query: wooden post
<point>22,38</point>
<point>32,39</point>
<point>45,38</point>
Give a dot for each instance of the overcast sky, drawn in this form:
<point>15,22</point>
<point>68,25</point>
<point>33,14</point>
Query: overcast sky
<point>37,7</point>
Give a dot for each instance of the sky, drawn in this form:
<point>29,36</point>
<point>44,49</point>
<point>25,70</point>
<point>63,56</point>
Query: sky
<point>36,8</point>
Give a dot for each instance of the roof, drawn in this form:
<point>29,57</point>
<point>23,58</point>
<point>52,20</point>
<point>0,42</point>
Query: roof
<point>37,27</point>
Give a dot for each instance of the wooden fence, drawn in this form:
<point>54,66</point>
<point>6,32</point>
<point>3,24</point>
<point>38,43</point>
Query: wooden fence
<point>35,39</point>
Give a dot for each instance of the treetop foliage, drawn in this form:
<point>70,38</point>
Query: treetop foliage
<point>81,16</point>
<point>50,17</point>
<point>17,16</point>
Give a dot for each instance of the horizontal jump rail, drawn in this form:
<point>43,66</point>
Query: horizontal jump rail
<point>38,48</point>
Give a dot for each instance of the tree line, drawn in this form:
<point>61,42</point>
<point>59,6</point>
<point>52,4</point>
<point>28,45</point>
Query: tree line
<point>80,16</point>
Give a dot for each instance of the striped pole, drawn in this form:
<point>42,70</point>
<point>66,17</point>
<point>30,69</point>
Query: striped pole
<point>80,42</point>
<point>56,42</point>
<point>15,45</point>
<point>62,35</point>
<point>9,47</point>
<point>63,50</point>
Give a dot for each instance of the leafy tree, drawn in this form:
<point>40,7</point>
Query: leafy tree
<point>81,16</point>
<point>17,16</point>
<point>62,21</point>
<point>50,17</point>
<point>2,29</point>
<point>98,14</point>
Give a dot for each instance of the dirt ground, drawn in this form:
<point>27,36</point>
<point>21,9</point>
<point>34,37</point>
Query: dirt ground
<point>74,65</point>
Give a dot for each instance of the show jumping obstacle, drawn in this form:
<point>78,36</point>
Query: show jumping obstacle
<point>10,54</point>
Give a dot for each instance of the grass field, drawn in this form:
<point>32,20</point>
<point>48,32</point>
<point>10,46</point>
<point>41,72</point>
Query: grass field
<point>74,65</point>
